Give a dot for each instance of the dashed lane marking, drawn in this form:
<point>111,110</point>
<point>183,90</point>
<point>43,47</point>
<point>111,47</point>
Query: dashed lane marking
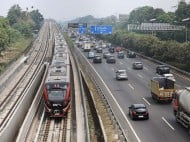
<point>168,123</point>
<point>146,101</point>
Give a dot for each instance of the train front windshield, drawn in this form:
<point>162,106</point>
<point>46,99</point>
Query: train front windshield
<point>56,91</point>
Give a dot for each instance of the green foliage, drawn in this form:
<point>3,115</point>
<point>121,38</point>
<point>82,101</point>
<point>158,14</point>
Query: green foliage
<point>14,14</point>
<point>24,21</point>
<point>183,11</point>
<point>144,14</point>
<point>170,51</point>
<point>4,38</point>
<point>37,18</point>
<point>25,28</point>
<point>18,24</point>
<point>14,35</point>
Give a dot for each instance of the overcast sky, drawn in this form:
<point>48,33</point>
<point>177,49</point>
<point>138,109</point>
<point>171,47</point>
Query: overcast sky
<point>70,9</point>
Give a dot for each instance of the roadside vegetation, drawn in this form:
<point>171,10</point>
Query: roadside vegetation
<point>168,47</point>
<point>17,32</point>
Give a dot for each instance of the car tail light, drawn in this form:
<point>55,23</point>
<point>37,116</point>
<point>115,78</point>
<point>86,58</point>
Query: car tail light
<point>134,113</point>
<point>146,112</point>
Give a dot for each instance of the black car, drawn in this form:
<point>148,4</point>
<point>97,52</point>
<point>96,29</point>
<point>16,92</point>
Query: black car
<point>137,65</point>
<point>111,59</point>
<point>120,55</point>
<point>97,59</point>
<point>162,69</point>
<point>138,111</point>
<point>131,54</point>
<point>99,50</point>
<point>111,50</point>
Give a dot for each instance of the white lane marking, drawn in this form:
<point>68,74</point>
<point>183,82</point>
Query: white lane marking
<point>131,86</point>
<point>168,123</point>
<point>146,101</point>
<point>145,68</point>
<point>140,76</point>
<point>124,115</point>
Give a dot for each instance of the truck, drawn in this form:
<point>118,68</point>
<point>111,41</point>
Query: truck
<point>181,107</point>
<point>162,89</point>
<point>86,46</point>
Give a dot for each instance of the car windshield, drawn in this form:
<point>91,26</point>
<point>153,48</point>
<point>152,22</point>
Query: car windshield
<point>91,53</point>
<point>122,72</point>
<point>138,63</point>
<point>139,106</point>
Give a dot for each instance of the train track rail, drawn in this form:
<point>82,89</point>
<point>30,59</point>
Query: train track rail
<point>42,128</point>
<point>53,130</point>
<point>23,80</point>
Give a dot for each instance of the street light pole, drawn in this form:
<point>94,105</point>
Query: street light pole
<point>186,22</point>
<point>152,20</point>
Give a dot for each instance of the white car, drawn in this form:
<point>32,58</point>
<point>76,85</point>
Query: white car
<point>121,74</point>
<point>169,76</point>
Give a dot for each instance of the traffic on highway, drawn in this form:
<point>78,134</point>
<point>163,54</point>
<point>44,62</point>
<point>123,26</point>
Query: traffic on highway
<point>151,119</point>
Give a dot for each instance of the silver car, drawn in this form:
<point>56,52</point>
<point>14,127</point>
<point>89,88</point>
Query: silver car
<point>137,65</point>
<point>121,75</point>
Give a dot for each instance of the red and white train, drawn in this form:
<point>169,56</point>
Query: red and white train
<point>57,88</point>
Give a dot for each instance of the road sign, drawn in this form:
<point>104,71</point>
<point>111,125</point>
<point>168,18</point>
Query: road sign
<point>76,25</point>
<point>82,30</point>
<point>101,29</point>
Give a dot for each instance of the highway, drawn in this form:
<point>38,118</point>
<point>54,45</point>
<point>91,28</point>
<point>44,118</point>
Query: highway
<point>162,125</point>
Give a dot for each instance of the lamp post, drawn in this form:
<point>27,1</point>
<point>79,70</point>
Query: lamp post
<point>186,22</point>
<point>152,20</point>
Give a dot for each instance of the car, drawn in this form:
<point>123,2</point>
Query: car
<point>131,54</point>
<point>111,49</point>
<point>110,59</point>
<point>121,74</point>
<point>104,46</point>
<point>169,76</point>
<point>106,54</point>
<point>97,59</point>
<point>120,55</point>
<point>99,50</point>
<point>96,47</point>
<point>137,65</point>
<point>118,49</point>
<point>162,69</point>
<point>91,55</point>
<point>138,111</point>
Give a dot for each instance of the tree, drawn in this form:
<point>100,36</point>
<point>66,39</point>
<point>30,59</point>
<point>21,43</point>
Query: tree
<point>14,14</point>
<point>183,11</point>
<point>142,14</point>
<point>37,18</point>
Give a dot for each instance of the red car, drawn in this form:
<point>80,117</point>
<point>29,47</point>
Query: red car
<point>118,49</point>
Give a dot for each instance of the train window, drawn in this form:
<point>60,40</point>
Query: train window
<point>51,86</point>
<point>56,94</point>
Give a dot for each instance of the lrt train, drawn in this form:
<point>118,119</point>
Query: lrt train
<point>57,89</point>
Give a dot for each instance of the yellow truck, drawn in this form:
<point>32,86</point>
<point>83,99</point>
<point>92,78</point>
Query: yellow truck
<point>162,89</point>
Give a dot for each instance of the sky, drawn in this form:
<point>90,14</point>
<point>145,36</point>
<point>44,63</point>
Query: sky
<point>70,9</point>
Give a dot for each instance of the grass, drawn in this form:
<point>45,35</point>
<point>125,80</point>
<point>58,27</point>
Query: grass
<point>13,52</point>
